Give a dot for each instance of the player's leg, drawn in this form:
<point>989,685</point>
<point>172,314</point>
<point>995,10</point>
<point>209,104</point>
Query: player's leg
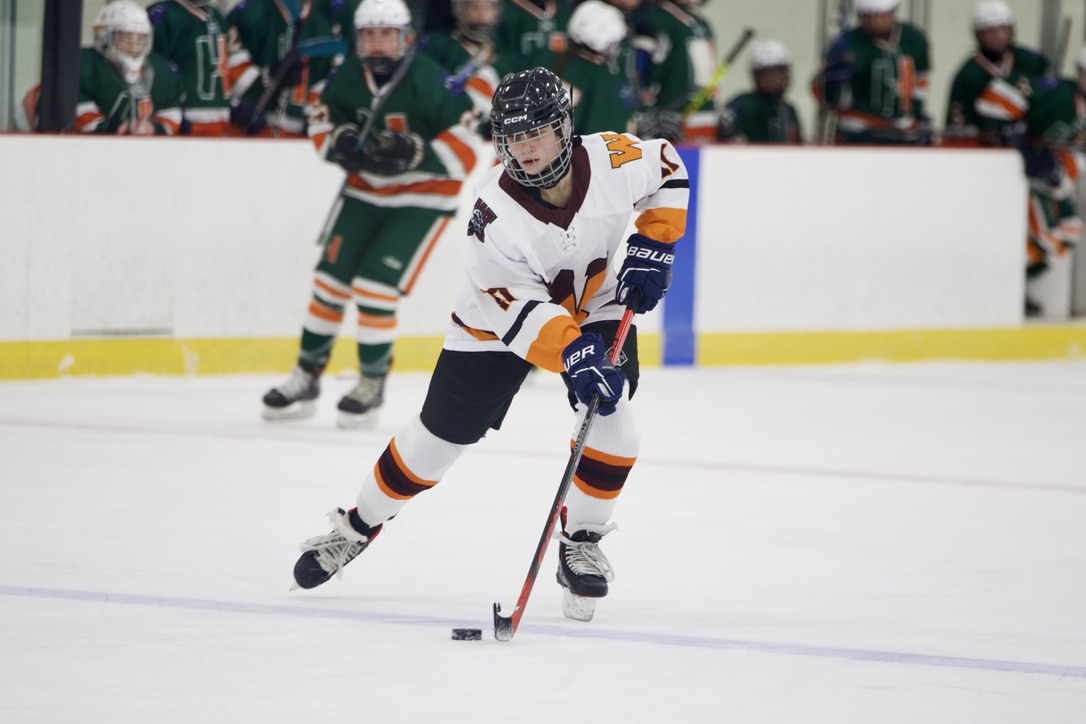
<point>388,270</point>
<point>344,246</point>
<point>469,394</point>
<point>609,455</point>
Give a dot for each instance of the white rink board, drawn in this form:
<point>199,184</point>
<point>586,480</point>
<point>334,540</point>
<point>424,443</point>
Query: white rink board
<point>852,239</point>
<point>202,238</point>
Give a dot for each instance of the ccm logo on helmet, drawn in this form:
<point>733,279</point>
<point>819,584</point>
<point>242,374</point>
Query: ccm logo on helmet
<point>651,255</point>
<point>517,119</point>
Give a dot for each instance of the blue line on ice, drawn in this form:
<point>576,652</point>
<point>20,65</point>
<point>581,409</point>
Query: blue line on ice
<point>642,637</point>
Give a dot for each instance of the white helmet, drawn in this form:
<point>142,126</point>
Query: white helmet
<point>870,7</point>
<point>383,14</point>
<point>992,14</point>
<point>100,25</point>
<point>124,51</point>
<point>598,26</point>
<point>769,54</point>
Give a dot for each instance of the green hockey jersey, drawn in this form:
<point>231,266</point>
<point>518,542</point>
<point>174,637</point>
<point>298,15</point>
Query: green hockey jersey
<point>889,82</point>
<point>108,104</point>
<point>471,69</point>
<point>686,67</point>
<point>261,33</point>
<point>194,39</point>
<point>531,34</point>
<point>988,99</point>
<point>602,97</point>
<point>418,104</point>
<point>759,118</point>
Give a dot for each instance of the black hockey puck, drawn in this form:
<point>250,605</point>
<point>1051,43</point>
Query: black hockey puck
<point>467,634</point>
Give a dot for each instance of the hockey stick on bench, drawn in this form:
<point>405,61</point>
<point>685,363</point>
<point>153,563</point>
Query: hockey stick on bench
<point>506,626</point>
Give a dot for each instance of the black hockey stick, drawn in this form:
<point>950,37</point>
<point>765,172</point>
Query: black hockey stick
<point>506,626</point>
<point>376,104</point>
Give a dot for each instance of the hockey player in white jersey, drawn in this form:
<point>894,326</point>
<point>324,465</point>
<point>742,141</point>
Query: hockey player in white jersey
<point>541,291</point>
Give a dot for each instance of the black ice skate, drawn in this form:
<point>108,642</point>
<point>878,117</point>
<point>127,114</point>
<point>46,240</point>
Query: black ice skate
<point>359,406</point>
<point>324,556</point>
<point>295,398</point>
<point>583,570</point>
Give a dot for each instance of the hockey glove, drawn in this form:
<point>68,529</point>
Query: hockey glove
<point>667,125</point>
<point>346,150</point>
<point>245,116</point>
<point>591,373</point>
<point>388,153</point>
<point>1042,165</point>
<point>646,268</point>
<point>837,75</point>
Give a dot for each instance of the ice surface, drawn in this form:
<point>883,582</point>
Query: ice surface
<point>867,543</point>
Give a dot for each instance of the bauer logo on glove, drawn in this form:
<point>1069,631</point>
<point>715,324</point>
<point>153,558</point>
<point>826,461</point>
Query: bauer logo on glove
<point>647,269</point>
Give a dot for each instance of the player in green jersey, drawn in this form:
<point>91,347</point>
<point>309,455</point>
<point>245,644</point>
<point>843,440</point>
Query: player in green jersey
<point>124,88</point>
<point>532,33</point>
<point>1054,153</point>
<point>876,79</point>
<point>602,98</point>
<point>684,68</point>
<point>991,91</point>
<point>467,52</point>
<point>272,80</point>
<point>763,115</point>
<point>192,34</point>
<point>404,177</point>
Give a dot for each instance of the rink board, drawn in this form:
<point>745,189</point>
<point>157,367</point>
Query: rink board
<point>198,259</point>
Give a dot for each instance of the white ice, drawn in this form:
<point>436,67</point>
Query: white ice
<point>866,543</point>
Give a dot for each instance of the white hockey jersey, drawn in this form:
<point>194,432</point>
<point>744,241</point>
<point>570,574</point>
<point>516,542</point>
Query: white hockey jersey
<point>536,272</point>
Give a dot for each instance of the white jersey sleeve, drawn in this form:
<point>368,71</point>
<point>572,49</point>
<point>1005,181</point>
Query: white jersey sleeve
<point>536,273</point>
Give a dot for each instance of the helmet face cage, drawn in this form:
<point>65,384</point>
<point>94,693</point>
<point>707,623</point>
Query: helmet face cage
<point>123,34</point>
<point>475,31</point>
<point>383,14</point>
<point>527,105</point>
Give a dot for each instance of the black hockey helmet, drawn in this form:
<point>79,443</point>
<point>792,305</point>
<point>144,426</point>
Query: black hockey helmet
<point>526,103</point>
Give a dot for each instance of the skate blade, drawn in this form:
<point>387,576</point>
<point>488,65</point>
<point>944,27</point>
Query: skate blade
<point>365,421</point>
<point>578,608</point>
<point>295,411</point>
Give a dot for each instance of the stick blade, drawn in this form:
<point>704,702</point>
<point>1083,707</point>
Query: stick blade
<point>503,625</point>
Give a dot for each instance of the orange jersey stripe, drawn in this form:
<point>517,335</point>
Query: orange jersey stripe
<point>479,334</point>
<point>172,127</point>
<point>546,350</point>
<point>426,254</point>
<point>480,86</point>
<point>88,119</point>
<point>217,129</point>
<point>375,322</point>
<point>330,289</point>
<point>437,188</point>
<point>664,224</point>
<point>365,293</point>
<point>1014,112</point>
<point>322,312</point>
<point>462,150</point>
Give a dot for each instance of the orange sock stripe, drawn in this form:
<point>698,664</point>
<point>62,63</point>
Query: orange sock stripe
<point>600,475</point>
<point>394,479</point>
<point>322,312</point>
